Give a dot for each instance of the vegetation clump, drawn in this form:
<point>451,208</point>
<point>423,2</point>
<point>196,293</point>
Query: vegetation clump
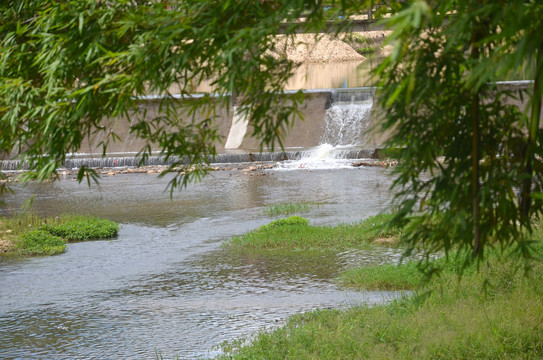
<point>410,275</point>
<point>362,44</point>
<point>292,220</point>
<point>285,209</point>
<point>296,233</point>
<point>39,242</point>
<point>493,313</point>
<point>29,235</point>
<point>77,228</point>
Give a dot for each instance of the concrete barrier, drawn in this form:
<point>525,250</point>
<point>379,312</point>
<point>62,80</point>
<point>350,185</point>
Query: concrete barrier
<point>305,133</point>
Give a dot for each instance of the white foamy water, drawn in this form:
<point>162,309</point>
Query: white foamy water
<point>346,126</point>
<point>324,156</point>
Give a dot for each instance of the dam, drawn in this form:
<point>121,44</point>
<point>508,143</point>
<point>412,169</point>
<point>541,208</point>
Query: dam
<point>334,123</point>
<point>339,117</point>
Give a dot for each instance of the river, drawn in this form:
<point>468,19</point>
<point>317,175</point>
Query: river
<point>165,284</point>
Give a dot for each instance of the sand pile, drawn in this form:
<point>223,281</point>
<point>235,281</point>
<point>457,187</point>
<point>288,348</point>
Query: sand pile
<point>305,48</point>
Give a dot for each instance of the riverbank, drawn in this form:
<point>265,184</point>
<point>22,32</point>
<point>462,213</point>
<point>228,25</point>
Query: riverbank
<point>493,313</point>
<point>252,168</point>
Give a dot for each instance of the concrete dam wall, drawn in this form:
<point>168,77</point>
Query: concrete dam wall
<point>340,117</point>
<point>306,133</point>
<point>234,131</point>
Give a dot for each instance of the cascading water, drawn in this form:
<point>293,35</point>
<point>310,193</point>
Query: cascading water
<point>346,124</point>
<point>343,138</point>
<point>345,131</point>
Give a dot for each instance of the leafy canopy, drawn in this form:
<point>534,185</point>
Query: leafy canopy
<point>66,67</point>
<point>470,169</point>
<point>471,163</point>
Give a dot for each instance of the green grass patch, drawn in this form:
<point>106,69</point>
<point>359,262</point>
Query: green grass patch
<point>30,234</point>
<point>448,319</point>
<point>78,228</point>
<point>286,209</point>
<point>39,242</point>
<point>384,277</point>
<point>407,275</point>
<point>370,49</point>
<point>360,39</point>
<point>290,221</point>
<point>22,222</point>
<point>297,234</point>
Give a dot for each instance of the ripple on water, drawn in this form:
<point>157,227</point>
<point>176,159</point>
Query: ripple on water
<point>165,283</point>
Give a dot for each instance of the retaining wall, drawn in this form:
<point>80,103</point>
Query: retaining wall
<point>304,134</point>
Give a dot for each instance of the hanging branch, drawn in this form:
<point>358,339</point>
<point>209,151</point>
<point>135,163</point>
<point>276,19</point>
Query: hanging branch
<point>529,150</point>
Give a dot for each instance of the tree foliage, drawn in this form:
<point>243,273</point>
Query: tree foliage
<point>471,163</point>
<point>68,66</point>
<point>470,173</point>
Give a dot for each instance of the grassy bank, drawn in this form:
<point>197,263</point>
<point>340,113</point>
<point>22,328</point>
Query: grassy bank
<point>30,235</point>
<point>493,313</point>
<point>408,275</point>
<point>448,320</point>
<point>297,234</point>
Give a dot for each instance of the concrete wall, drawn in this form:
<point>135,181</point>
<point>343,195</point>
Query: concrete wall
<point>129,142</point>
<point>305,133</point>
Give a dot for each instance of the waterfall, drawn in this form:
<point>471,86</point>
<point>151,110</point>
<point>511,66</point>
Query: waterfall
<point>346,124</point>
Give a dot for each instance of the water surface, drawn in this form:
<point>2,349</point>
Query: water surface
<point>165,283</point>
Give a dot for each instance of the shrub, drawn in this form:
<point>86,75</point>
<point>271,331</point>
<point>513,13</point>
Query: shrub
<point>360,39</point>
<point>40,242</point>
<point>366,49</point>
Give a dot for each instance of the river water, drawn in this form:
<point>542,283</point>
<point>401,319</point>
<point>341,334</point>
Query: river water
<point>165,284</point>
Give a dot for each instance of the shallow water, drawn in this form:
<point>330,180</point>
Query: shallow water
<point>165,283</point>
<point>351,74</point>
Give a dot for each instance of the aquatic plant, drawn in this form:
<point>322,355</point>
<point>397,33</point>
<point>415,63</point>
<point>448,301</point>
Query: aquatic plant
<point>292,220</point>
<point>409,275</point>
<point>285,209</point>
<point>296,233</point>
<point>31,234</point>
<point>77,228</point>
<point>39,242</point>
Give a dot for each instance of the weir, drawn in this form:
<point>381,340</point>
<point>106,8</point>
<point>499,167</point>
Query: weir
<point>335,126</point>
<point>335,116</point>
<point>345,131</point>
<point>127,161</point>
<point>352,95</point>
